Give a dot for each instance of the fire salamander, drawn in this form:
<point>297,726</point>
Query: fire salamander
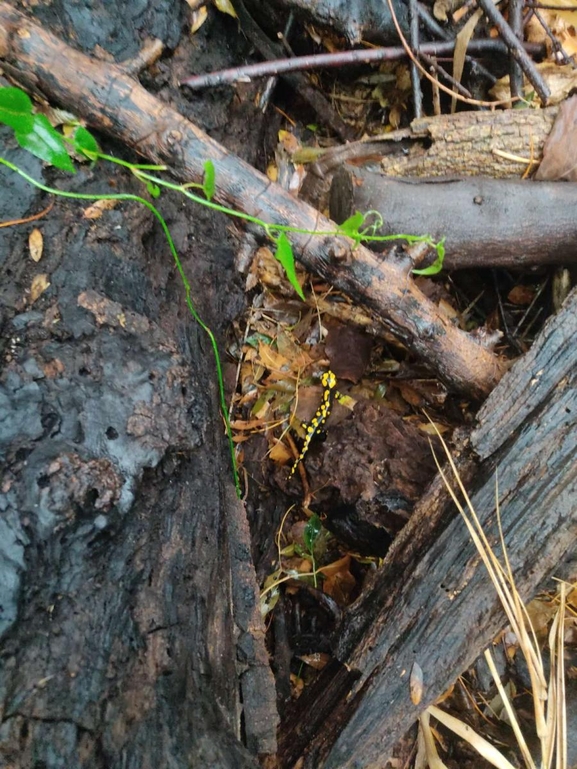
<point>329,383</point>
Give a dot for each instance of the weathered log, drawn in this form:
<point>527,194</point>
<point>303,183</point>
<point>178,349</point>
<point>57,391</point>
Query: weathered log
<point>130,113</point>
<point>501,144</point>
<point>432,602</point>
<point>486,222</point>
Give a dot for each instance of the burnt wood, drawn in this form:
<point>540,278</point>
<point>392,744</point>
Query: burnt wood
<point>432,602</point>
<point>130,633</point>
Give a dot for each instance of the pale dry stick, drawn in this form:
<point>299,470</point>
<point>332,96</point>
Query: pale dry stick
<point>521,742</point>
<point>481,745</point>
<point>430,749</point>
<point>502,579</point>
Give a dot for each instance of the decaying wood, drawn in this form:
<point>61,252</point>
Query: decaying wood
<point>477,144</point>
<point>503,145</point>
<point>486,222</point>
<point>155,130</point>
<point>432,602</point>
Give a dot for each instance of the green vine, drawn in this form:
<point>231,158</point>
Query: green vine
<point>35,133</point>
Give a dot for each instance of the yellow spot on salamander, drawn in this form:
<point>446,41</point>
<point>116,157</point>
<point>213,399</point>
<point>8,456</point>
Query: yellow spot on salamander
<point>329,383</point>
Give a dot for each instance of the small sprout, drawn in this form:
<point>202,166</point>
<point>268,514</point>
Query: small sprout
<point>85,143</point>
<point>284,254</point>
<point>208,184</point>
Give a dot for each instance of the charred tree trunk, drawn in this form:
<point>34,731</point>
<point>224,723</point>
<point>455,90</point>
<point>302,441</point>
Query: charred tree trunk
<point>128,598</point>
<point>129,623</point>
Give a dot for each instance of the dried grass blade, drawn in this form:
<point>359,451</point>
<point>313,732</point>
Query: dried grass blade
<point>481,745</point>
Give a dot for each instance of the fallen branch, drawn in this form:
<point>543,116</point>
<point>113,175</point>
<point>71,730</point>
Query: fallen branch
<point>341,59</point>
<point>487,222</point>
<point>111,101</point>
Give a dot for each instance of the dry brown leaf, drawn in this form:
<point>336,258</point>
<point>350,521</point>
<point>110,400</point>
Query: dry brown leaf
<point>280,453</point>
<point>560,150</point>
<point>442,8</point>
<point>318,660</point>
<point>198,18</point>
<point>461,43</point>
<point>39,285</point>
<point>416,683</point>
<point>36,244</point>
<point>272,171</point>
<point>95,211</point>
<point>289,142</point>
<point>521,295</point>
<point>560,79</point>
<point>270,359</point>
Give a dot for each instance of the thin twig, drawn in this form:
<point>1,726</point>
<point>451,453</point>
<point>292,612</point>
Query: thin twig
<point>341,59</point>
<point>555,43</point>
<point>434,65</point>
<point>517,50</point>
<point>298,82</point>
<point>273,80</point>
<point>415,78</point>
<point>515,71</point>
<point>456,96</point>
<point>436,29</point>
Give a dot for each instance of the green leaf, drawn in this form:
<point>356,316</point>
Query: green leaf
<point>16,109</point>
<point>312,531</point>
<point>350,226</point>
<point>46,143</point>
<point>284,253</point>
<point>437,265</point>
<point>153,190</point>
<point>85,143</point>
<point>208,183</point>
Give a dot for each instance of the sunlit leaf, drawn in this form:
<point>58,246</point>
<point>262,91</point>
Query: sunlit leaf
<point>225,6</point>
<point>350,226</point>
<point>153,190</point>
<point>312,531</point>
<point>46,143</point>
<point>284,254</point>
<point>85,143</point>
<point>208,183</point>
<point>16,109</point>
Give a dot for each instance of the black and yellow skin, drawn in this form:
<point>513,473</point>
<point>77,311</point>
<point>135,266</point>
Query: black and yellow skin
<point>329,383</point>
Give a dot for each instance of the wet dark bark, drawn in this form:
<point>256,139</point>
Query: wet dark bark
<point>432,603</point>
<point>154,129</point>
<point>486,222</point>
<point>129,619</point>
<point>129,627</point>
